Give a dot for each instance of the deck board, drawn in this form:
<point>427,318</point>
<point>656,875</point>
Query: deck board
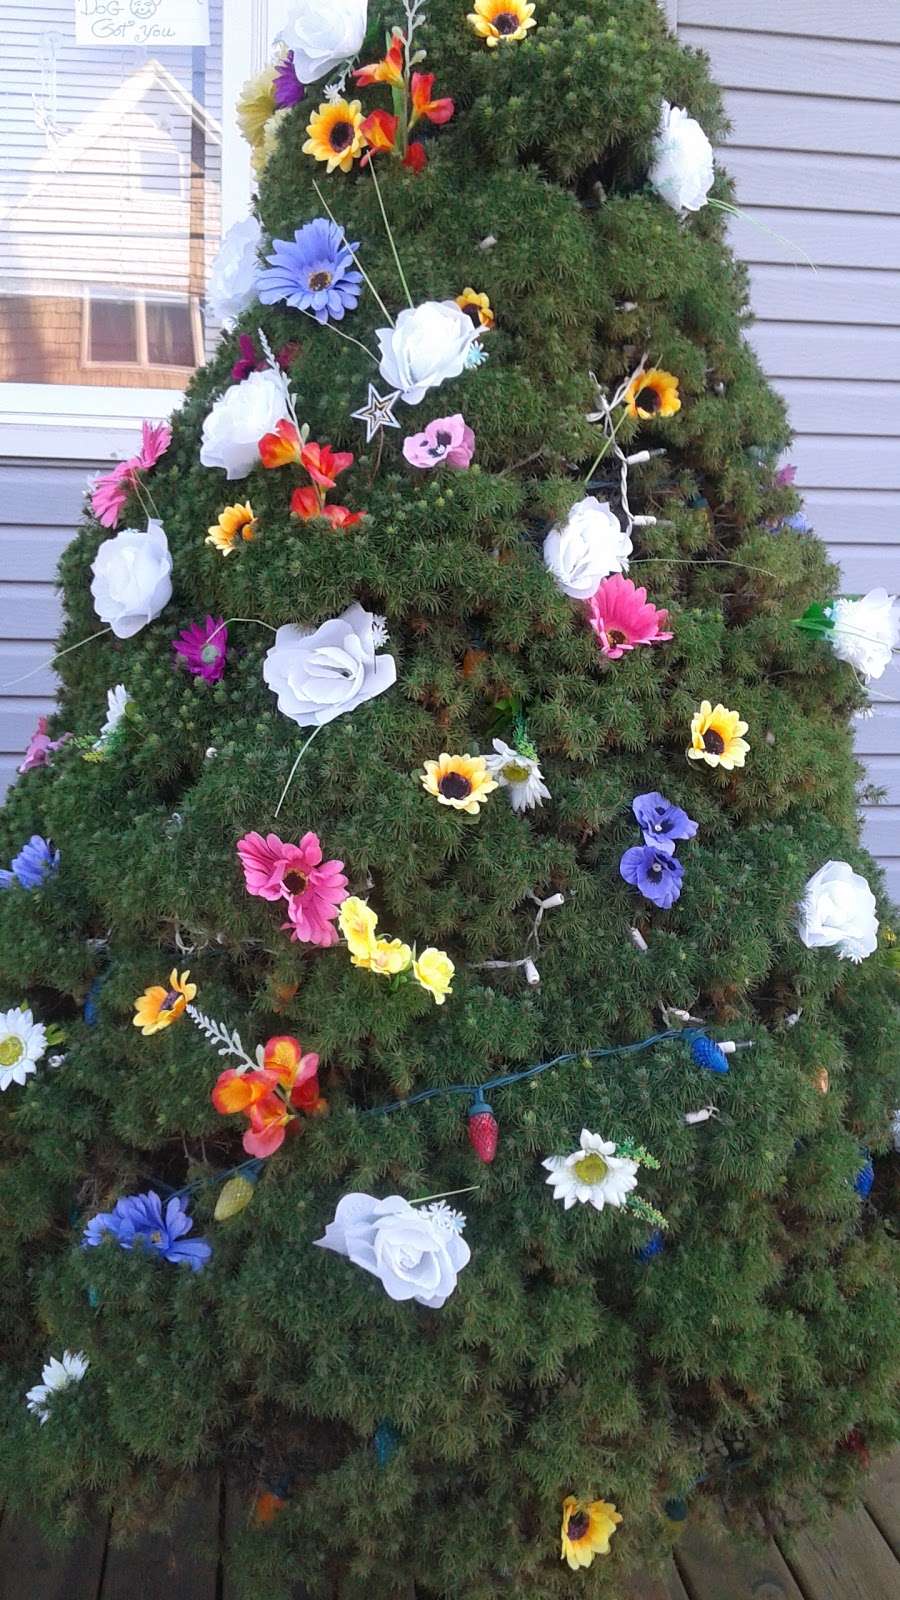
<point>855,1560</point>
<point>182,1566</point>
<point>723,1570</point>
<point>669,1587</point>
<point>882,1499</point>
<point>31,1571</point>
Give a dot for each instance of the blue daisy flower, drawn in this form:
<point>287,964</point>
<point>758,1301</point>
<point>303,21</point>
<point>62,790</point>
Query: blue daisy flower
<point>139,1223</point>
<point>37,860</point>
<point>313,272</point>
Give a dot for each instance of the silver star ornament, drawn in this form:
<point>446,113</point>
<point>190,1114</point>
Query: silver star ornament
<point>378,412</point>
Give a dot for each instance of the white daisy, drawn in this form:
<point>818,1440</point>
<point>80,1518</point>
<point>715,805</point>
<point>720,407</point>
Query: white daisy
<point>518,773</point>
<point>117,701</point>
<point>22,1043</point>
<point>56,1375</point>
<point>594,1174</point>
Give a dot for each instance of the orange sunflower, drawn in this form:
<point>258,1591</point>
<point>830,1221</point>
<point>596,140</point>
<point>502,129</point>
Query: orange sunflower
<point>477,308</point>
<point>235,523</point>
<point>158,1008</point>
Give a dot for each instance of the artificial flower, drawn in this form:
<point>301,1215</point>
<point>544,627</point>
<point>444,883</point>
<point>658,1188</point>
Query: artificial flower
<point>379,130</point>
<point>110,492</point>
<point>139,1223</point>
<point>324,33</point>
<point>653,394</point>
<point>520,774</point>
<point>502,21</point>
<point>256,105</point>
<point>433,970</point>
<point>288,88</point>
<point>323,464</point>
<point>237,421</point>
<point>22,1045</point>
<point>157,1008</point>
<point>313,888</point>
<point>270,1097</point>
<point>587,1527</point>
<point>57,1375</point>
<point>325,674</point>
<point>584,549</point>
<point>155,440</point>
<point>357,922</point>
<point>662,824</point>
<point>117,702</point>
<point>477,308</point>
<point>389,957</point>
<point>313,272</point>
<point>132,579</point>
<point>655,872</point>
<point>427,345</point>
<point>424,104</point>
<point>267,146</point>
<point>281,447</point>
<point>232,280</point>
<point>415,1252</point>
<point>236,524</point>
<point>388,70</point>
<point>41,747</point>
<point>462,782</point>
<point>309,502</point>
<point>334,134</point>
<point>202,648</point>
<point>785,477</point>
<point>448,441</point>
<point>622,618</point>
<point>593,1175</point>
<point>682,171</point>
<point>36,862</point>
<point>866,632</point>
<point>717,737</point>
<point>416,158</point>
<point>250,360</point>
<point>838,911</point>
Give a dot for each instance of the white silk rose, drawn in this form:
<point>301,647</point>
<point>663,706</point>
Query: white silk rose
<point>232,281</point>
<point>866,632</point>
<point>322,34</point>
<point>416,1252</point>
<point>683,171</point>
<point>238,420</point>
<point>323,673</point>
<point>132,579</point>
<point>428,345</point>
<point>586,548</point>
<point>838,911</point>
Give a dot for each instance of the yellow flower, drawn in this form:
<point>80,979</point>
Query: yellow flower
<point>653,394</point>
<point>235,522</point>
<point>716,737</point>
<point>501,21</point>
<point>388,957</point>
<point>434,971</point>
<point>462,782</point>
<point>268,144</point>
<point>357,923</point>
<point>334,134</point>
<point>587,1527</point>
<point>256,104</point>
<point>158,1008</point>
<point>477,307</point>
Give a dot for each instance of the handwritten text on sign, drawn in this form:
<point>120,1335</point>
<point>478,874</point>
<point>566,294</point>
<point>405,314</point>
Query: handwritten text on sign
<point>142,22</point>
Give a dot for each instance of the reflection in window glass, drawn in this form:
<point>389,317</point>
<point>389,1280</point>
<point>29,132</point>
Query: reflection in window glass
<point>170,334</point>
<point>112,331</point>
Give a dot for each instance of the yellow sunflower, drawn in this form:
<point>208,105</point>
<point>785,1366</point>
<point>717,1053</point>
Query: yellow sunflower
<point>716,737</point>
<point>501,21</point>
<point>477,307</point>
<point>587,1527</point>
<point>158,1008</point>
<point>235,523</point>
<point>256,104</point>
<point>653,394</point>
<point>334,134</point>
<point>462,782</point>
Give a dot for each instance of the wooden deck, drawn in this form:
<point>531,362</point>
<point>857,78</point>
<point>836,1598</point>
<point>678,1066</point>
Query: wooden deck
<point>859,1560</point>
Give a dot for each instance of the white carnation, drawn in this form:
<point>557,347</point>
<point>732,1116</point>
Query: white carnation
<point>232,282</point>
<point>683,171</point>
<point>322,34</point>
<point>416,1254</point>
<point>132,579</point>
<point>427,345</point>
<point>322,674</point>
<point>866,632</point>
<point>239,419</point>
<point>838,911</point>
<point>585,548</point>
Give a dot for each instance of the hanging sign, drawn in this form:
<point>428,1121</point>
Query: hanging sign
<point>153,23</point>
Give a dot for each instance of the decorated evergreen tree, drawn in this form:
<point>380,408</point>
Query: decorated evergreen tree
<point>396,872</point>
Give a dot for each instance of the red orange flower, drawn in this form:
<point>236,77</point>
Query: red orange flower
<point>325,465</point>
<point>306,504</point>
<point>415,158</point>
<point>272,1097</point>
<point>388,70</point>
<point>379,129</point>
<point>437,111</point>
<point>281,448</point>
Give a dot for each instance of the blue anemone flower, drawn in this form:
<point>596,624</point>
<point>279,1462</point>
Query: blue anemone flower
<point>657,874</point>
<point>138,1223</point>
<point>662,823</point>
<point>37,860</point>
<point>313,272</point>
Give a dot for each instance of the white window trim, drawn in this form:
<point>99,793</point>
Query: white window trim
<point>83,422</point>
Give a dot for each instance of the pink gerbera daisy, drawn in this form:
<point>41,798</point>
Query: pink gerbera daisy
<point>156,438</point>
<point>621,617</point>
<point>314,889</point>
<point>111,491</point>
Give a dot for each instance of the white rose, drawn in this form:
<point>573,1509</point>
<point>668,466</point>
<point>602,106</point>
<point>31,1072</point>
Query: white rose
<point>416,1253</point>
<point>322,34</point>
<point>429,344</point>
<point>838,909</point>
<point>238,420</point>
<point>132,579</point>
<point>683,171</point>
<point>232,281</point>
<point>866,632</point>
<point>320,675</point>
<point>586,548</point>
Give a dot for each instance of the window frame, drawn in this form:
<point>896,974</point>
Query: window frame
<point>140,302</point>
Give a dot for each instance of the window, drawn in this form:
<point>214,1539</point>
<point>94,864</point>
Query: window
<point>142,333</point>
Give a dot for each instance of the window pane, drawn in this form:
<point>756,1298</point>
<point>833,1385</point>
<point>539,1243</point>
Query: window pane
<point>112,335</point>
<point>170,334</point>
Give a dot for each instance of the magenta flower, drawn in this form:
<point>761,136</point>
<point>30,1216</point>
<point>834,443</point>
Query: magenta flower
<point>448,441</point>
<point>157,436</point>
<point>41,747</point>
<point>202,648</point>
<point>785,477</point>
<point>111,491</point>
<point>313,888</point>
<point>250,359</point>
<point>622,618</point>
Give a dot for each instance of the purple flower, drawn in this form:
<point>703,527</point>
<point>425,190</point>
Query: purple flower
<point>661,823</point>
<point>313,272</point>
<point>799,523</point>
<point>656,874</point>
<point>137,1223</point>
<point>41,747</point>
<point>785,476</point>
<point>288,88</point>
<point>37,860</point>
<point>202,648</point>
<point>447,441</point>
<point>250,359</point>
